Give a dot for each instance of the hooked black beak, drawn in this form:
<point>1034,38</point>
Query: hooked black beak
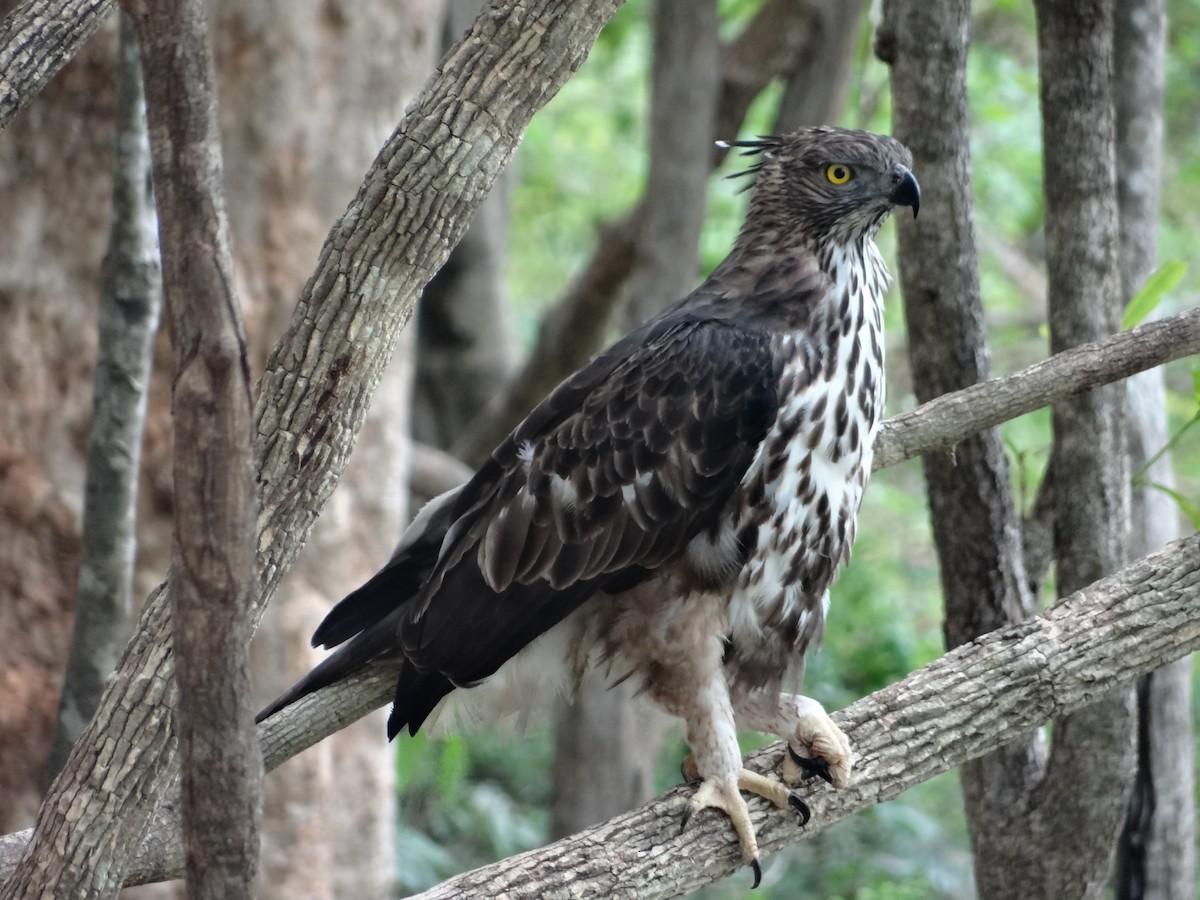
<point>905,190</point>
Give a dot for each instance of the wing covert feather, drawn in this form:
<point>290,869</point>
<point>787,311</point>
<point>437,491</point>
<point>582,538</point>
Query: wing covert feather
<point>638,458</point>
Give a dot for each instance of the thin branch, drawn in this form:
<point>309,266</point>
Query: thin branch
<point>949,419</point>
<point>37,39</point>
<point>130,299</point>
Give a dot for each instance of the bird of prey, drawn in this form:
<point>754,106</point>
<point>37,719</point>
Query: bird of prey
<point>676,510</point>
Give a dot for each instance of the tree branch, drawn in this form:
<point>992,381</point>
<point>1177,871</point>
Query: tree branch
<point>967,703</point>
<point>949,419</point>
<point>37,39</point>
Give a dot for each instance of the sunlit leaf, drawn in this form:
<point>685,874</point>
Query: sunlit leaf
<point>1189,506</point>
<point>1164,279</point>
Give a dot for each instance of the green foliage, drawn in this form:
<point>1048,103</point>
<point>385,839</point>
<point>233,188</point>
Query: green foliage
<point>467,801</point>
<point>1161,282</point>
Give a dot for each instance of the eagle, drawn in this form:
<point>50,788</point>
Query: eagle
<point>676,510</point>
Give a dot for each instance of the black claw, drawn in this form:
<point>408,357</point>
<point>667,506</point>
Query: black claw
<point>796,802</point>
<point>816,767</point>
<point>757,873</point>
<point>687,815</point>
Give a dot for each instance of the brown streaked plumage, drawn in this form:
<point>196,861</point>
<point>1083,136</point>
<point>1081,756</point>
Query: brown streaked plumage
<point>677,509</point>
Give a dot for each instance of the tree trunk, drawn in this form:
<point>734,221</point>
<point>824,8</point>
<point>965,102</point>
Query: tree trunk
<point>1157,852</point>
<point>1082,799</point>
<point>972,512</point>
<point>130,302</point>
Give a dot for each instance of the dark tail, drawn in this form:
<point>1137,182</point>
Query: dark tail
<point>343,662</point>
<point>364,619</point>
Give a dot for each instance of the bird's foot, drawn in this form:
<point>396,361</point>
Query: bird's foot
<point>725,795</point>
<point>818,749</point>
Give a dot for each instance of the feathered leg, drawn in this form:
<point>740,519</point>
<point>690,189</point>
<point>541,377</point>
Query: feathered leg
<point>716,760</point>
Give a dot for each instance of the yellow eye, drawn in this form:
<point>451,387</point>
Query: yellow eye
<point>839,173</point>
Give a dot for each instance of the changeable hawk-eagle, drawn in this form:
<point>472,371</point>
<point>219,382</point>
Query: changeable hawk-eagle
<point>676,510</point>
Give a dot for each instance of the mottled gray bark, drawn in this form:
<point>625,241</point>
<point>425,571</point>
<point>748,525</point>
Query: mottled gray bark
<point>1157,853</point>
<point>212,579</point>
<point>972,512</point>
<point>130,299</point>
<point>1081,802</point>
<point>943,422</point>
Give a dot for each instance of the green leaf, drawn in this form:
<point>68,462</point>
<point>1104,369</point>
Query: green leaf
<point>1196,385</point>
<point>1189,507</point>
<point>1158,284</point>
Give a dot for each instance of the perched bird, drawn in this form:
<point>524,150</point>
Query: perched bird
<point>676,510</point>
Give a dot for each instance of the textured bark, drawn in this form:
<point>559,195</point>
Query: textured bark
<point>967,703</point>
<point>1157,852</point>
<point>36,40</point>
<point>943,422</point>
<point>414,204</point>
<point>211,581</point>
<point>972,512</point>
<point>1081,801</point>
<point>130,299</point>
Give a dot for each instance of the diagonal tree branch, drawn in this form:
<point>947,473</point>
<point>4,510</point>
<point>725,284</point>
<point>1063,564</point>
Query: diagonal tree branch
<point>37,39</point>
<point>945,421</point>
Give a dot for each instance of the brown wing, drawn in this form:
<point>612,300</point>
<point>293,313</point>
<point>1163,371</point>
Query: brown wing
<point>609,478</point>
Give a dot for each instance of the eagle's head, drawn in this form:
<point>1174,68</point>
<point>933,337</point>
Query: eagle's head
<point>830,185</point>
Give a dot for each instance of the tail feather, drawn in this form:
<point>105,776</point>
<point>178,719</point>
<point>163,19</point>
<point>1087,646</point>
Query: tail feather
<point>365,621</point>
<point>343,662</point>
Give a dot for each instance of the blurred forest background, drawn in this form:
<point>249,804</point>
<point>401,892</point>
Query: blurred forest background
<point>546,273</point>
